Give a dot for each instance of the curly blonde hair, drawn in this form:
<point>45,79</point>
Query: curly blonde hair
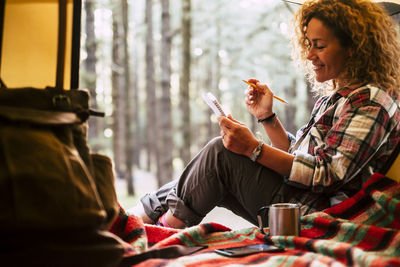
<point>366,29</point>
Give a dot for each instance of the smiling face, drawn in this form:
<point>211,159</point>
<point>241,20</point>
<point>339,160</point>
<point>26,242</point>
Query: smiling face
<point>325,52</point>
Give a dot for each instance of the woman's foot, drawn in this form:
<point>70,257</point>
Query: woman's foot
<point>169,220</point>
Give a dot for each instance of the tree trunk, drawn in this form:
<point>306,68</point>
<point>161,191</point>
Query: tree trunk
<point>310,98</point>
<point>209,84</point>
<point>290,115</point>
<point>185,80</point>
<point>217,70</point>
<point>151,121</point>
<point>127,101</point>
<point>136,136</point>
<point>118,94</point>
<point>166,141</point>
<point>90,76</point>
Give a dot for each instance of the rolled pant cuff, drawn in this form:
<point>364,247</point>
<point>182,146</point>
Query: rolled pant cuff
<point>183,212</point>
<point>152,207</point>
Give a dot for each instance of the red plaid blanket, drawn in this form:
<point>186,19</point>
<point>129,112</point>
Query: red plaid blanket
<point>361,231</point>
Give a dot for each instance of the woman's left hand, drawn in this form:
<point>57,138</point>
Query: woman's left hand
<point>236,136</point>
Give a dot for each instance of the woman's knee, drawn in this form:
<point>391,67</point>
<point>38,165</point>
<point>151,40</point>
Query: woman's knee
<point>214,150</point>
<point>216,141</point>
<point>215,144</point>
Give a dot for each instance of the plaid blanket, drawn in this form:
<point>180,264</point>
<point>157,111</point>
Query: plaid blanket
<point>360,231</point>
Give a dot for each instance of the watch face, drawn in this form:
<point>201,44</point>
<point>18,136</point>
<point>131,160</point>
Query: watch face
<point>257,151</point>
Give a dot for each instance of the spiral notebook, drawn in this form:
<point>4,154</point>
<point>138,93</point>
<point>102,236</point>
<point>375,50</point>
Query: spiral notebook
<point>210,99</point>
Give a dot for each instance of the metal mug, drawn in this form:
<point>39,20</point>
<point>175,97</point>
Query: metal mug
<point>283,218</point>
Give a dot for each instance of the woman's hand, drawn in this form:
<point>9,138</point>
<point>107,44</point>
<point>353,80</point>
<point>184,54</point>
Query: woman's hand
<point>259,101</point>
<point>236,136</point>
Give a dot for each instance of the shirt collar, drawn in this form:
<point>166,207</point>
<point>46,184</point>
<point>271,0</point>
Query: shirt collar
<point>341,92</point>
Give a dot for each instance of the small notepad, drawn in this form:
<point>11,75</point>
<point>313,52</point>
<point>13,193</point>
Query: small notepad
<point>210,99</point>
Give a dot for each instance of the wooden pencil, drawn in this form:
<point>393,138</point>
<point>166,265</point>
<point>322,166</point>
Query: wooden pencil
<point>256,87</point>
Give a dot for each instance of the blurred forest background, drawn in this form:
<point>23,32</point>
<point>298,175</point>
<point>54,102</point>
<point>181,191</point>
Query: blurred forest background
<point>147,62</point>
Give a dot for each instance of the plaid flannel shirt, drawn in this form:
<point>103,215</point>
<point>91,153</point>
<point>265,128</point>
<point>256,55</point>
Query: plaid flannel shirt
<point>351,134</point>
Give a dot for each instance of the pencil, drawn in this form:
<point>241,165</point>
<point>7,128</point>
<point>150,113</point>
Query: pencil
<point>255,87</point>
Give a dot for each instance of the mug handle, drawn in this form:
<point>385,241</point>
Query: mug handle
<point>262,213</point>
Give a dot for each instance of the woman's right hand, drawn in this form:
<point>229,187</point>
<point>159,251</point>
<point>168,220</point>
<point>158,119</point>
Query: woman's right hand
<point>236,136</point>
<point>259,101</point>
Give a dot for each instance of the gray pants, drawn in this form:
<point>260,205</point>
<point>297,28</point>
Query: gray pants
<point>218,177</point>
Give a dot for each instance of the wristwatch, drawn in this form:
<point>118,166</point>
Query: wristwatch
<point>257,151</point>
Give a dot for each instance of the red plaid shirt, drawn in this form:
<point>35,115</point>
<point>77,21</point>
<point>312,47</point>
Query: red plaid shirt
<point>351,135</point>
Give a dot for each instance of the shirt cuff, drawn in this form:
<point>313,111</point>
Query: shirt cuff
<point>302,169</point>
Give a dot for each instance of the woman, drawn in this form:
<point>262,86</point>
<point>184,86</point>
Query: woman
<point>350,50</point>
